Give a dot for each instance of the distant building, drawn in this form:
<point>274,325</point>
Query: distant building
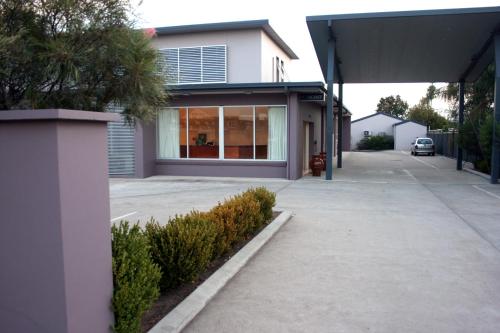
<point>403,131</point>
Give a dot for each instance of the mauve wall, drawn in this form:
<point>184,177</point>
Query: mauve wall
<point>55,243</point>
<point>226,168</point>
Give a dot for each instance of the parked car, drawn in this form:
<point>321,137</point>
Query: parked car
<point>423,146</point>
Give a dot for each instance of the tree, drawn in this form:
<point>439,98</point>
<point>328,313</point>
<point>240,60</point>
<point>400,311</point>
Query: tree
<point>476,134</point>
<point>424,113</point>
<point>394,106</point>
<point>77,54</point>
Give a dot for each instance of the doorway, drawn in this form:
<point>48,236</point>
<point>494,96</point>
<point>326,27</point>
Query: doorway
<point>308,146</point>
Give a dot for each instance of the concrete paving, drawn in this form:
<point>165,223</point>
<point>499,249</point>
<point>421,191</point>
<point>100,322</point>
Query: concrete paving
<point>395,243</point>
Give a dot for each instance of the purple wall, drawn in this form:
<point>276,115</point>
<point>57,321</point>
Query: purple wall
<point>147,164</point>
<point>55,244</point>
<point>218,168</point>
<point>264,169</point>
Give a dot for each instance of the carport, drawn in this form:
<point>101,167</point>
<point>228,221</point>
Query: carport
<point>450,45</point>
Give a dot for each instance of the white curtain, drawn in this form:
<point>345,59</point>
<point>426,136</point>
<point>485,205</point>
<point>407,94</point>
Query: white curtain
<point>276,134</point>
<point>168,133</point>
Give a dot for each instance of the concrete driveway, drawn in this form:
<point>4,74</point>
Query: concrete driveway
<point>395,243</point>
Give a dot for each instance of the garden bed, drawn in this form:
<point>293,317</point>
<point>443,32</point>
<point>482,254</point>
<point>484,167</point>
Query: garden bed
<point>170,299</point>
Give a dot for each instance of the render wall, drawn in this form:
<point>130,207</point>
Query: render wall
<point>376,124</point>
<point>406,133</point>
<point>244,49</point>
<point>269,52</point>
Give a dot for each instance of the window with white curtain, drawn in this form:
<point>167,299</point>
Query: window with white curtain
<point>243,132</point>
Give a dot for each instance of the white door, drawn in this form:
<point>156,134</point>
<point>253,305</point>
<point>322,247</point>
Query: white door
<point>305,169</point>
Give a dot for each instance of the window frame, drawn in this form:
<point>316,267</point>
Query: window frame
<point>221,134</point>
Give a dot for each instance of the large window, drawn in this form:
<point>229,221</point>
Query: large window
<point>238,132</point>
<point>231,132</point>
<point>199,64</point>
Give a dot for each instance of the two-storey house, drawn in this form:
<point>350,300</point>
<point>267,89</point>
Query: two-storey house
<point>233,110</point>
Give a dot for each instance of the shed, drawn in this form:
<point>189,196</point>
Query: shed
<point>405,133</point>
<point>375,124</point>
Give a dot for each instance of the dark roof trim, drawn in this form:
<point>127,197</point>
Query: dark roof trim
<point>223,26</point>
<point>409,121</point>
<point>413,13</point>
<point>377,114</point>
<point>319,86</point>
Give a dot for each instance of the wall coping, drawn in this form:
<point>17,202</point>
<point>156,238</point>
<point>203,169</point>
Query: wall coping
<point>57,114</point>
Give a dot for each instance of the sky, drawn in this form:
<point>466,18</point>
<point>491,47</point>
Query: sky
<point>287,17</point>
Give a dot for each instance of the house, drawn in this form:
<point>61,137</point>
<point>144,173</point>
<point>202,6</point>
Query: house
<point>232,112</point>
<point>403,131</point>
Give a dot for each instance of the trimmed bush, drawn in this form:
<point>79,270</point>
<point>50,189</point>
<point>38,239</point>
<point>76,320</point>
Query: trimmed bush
<point>182,248</point>
<point>377,142</point>
<point>135,277</point>
<point>267,200</point>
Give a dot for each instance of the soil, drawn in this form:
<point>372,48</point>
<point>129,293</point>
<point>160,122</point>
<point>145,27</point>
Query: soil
<point>170,299</point>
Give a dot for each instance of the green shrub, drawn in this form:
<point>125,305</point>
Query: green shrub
<point>267,200</point>
<point>377,142</point>
<point>224,217</point>
<point>135,277</point>
<point>182,248</point>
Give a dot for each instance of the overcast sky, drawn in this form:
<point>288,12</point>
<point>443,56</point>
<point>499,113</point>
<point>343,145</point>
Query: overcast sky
<point>287,17</point>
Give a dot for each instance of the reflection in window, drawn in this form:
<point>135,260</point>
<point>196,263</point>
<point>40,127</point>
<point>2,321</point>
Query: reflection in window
<point>238,132</point>
<point>203,132</point>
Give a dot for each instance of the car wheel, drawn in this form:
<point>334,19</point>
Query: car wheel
<point>415,153</point>
<point>433,154</point>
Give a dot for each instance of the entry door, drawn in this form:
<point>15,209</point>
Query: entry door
<point>305,168</point>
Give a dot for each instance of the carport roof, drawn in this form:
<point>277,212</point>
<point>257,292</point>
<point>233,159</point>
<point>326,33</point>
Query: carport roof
<point>413,46</point>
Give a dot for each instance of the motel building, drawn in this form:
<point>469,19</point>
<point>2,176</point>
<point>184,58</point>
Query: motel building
<point>232,112</point>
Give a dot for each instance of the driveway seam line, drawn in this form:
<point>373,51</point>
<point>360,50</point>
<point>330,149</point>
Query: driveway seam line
<point>476,230</point>
<point>487,192</point>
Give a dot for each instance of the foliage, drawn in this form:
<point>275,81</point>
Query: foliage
<point>235,219</point>
<point>476,134</point>
<point>424,113</point>
<point>135,277</point>
<point>393,105</point>
<point>377,142</point>
<point>267,200</point>
<point>182,248</point>
<point>77,54</point>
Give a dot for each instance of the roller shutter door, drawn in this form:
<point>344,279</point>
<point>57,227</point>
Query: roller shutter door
<point>121,147</point>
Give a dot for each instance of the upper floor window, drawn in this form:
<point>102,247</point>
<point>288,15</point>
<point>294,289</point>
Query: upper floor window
<point>199,64</point>
<point>279,74</point>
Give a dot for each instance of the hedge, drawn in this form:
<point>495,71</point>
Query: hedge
<point>181,250</point>
<point>377,142</point>
<point>135,277</point>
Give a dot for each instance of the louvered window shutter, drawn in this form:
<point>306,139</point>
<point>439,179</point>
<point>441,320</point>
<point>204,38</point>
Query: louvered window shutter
<point>214,64</point>
<point>190,65</point>
<point>185,65</point>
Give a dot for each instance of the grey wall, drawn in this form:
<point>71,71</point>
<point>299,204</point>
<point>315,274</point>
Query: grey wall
<point>346,133</point>
<point>243,50</point>
<point>55,243</point>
